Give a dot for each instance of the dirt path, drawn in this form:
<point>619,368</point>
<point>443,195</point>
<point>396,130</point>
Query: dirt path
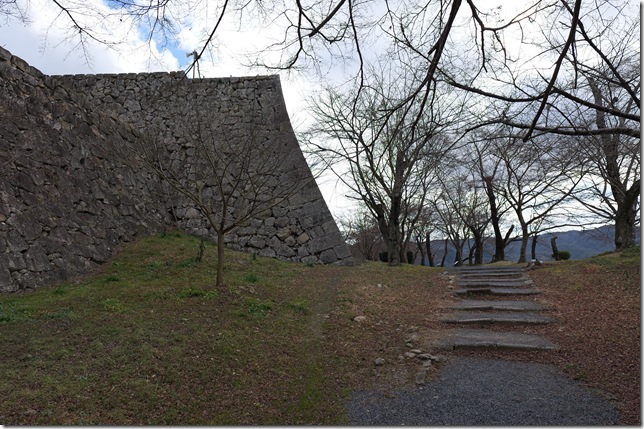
<point>470,390</point>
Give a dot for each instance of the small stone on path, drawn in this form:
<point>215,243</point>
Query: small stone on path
<point>412,338</point>
<point>420,376</point>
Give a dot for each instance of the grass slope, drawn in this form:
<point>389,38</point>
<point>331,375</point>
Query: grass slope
<point>149,341</point>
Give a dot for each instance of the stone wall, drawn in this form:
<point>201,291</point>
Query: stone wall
<point>69,191</point>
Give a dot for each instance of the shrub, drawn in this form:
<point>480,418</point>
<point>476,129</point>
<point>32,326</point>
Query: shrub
<point>252,278</point>
<point>256,308</point>
<point>383,256</point>
<point>564,255</point>
<point>410,257</point>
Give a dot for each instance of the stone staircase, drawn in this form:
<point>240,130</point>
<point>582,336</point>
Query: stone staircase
<point>502,291</point>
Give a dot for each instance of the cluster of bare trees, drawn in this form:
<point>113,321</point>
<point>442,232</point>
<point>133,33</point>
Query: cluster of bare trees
<point>386,156</point>
<point>537,144</point>
<point>496,189</point>
<point>457,117</point>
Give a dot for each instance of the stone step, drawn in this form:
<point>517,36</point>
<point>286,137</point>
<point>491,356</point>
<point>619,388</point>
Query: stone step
<point>485,339</point>
<point>513,318</point>
<point>494,282</point>
<point>487,269</point>
<point>490,274</point>
<point>481,305</point>
<point>500,291</point>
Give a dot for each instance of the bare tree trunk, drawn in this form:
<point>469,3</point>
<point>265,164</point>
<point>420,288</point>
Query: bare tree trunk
<point>478,248</point>
<point>393,239</point>
<point>534,246</point>
<point>445,253</point>
<point>430,256</point>
<point>555,251</point>
<point>525,235</point>
<point>625,199</point>
<point>625,219</point>
<point>499,242</point>
<point>504,243</point>
<point>421,248</point>
<point>470,255</point>
<point>220,259</point>
<point>459,255</point>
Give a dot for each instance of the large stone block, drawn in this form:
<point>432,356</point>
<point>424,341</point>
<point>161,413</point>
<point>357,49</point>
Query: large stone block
<point>15,262</point>
<point>15,242</point>
<point>328,256</point>
<point>6,282</point>
<point>37,259</point>
<point>319,244</point>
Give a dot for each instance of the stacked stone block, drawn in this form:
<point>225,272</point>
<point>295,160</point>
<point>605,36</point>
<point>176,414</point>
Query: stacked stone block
<point>69,196</point>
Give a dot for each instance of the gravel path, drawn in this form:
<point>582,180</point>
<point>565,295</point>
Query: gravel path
<point>475,391</point>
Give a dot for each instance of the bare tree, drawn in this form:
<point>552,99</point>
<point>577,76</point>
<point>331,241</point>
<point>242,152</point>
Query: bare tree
<point>471,206</point>
<point>361,233</point>
<point>386,159</point>
<point>614,183</point>
<point>489,173</point>
<point>450,207</point>
<point>228,175</point>
<point>539,177</point>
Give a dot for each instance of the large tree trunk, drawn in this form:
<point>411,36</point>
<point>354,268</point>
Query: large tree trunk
<point>625,228</point>
<point>394,239</point>
<point>459,253</point>
<point>445,253</point>
<point>478,248</point>
<point>499,244</point>
<point>525,236</point>
<point>625,218</point>
<point>383,225</point>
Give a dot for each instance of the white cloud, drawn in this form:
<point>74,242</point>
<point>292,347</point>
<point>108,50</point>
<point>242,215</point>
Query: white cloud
<point>45,42</point>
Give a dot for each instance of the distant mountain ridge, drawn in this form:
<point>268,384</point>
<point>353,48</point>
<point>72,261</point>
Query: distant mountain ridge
<point>580,243</point>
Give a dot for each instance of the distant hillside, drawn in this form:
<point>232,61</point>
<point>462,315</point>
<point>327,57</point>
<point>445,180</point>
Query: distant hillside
<point>580,244</point>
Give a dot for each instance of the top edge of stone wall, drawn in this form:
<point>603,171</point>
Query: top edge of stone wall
<point>172,74</point>
<point>20,64</point>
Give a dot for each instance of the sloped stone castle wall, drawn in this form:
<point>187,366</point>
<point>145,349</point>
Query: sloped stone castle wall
<point>70,193</point>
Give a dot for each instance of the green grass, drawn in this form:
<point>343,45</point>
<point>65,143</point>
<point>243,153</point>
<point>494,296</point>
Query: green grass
<point>150,340</point>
